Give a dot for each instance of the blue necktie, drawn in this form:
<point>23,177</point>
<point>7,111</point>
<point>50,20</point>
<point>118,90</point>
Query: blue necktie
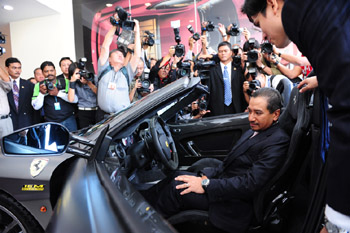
<point>15,94</point>
<point>227,87</point>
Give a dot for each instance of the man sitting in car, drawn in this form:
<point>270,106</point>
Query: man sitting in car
<point>227,191</point>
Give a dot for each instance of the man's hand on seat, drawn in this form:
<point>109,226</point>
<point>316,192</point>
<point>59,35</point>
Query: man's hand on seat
<point>191,184</point>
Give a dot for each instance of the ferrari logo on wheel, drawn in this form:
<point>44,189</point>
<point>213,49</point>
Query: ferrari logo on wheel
<point>37,166</point>
<point>166,143</point>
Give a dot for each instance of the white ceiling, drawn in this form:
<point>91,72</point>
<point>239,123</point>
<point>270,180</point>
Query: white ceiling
<point>23,9</point>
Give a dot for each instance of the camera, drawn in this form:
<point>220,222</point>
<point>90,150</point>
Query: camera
<point>2,38</point>
<point>122,22</point>
<point>253,56</point>
<point>179,48</point>
<point>83,72</point>
<point>145,83</point>
<point>237,60</point>
<point>149,38</point>
<point>2,50</point>
<point>253,85</point>
<point>266,47</point>
<point>2,41</point>
<point>234,31</point>
<point>195,35</point>
<point>209,28</point>
<point>49,85</point>
<point>184,68</point>
<point>203,68</point>
<point>202,105</point>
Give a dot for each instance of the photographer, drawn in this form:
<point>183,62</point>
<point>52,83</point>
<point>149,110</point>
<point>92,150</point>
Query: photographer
<point>53,96</point>
<point>147,41</point>
<point>64,64</point>
<point>113,77</point>
<point>140,86</point>
<point>85,90</point>
<point>5,120</point>
<point>163,72</point>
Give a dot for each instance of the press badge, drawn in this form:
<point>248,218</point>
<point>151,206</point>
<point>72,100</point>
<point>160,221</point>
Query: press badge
<point>57,106</point>
<point>111,85</point>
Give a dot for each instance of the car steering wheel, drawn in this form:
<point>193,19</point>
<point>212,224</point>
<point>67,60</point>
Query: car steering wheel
<point>164,143</point>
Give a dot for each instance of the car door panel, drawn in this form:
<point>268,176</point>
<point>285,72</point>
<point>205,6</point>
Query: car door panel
<point>212,137</point>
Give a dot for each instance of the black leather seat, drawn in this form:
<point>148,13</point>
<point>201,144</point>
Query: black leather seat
<point>295,120</point>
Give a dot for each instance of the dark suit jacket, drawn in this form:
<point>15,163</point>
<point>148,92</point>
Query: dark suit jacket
<point>243,173</point>
<point>216,88</point>
<point>24,116</point>
<point>325,42</point>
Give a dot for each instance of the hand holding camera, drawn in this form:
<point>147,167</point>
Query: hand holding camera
<point>43,89</point>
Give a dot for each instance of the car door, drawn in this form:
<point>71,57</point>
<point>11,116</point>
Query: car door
<point>211,137</point>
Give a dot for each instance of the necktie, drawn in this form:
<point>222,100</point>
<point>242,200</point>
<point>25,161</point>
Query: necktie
<point>227,88</point>
<point>15,93</point>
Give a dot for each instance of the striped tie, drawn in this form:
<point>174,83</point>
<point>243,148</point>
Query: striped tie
<point>15,93</point>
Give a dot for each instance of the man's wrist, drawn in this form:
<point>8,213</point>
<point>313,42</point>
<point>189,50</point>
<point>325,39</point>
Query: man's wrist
<point>224,35</point>
<point>72,84</point>
<point>276,63</point>
<point>262,67</point>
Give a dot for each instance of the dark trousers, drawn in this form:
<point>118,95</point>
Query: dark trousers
<point>86,118</point>
<point>166,199</point>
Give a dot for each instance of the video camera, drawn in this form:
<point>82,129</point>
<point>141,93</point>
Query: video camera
<point>83,72</point>
<point>179,48</point>
<point>234,31</point>
<point>266,47</point>
<point>209,28</point>
<point>195,35</point>
<point>2,41</point>
<point>203,67</point>
<point>145,82</point>
<point>149,38</point>
<point>123,22</point>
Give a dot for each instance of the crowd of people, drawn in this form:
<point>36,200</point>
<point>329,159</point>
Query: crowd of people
<point>78,99</point>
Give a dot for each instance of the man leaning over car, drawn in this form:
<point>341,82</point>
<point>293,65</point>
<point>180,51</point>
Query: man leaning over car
<point>227,190</point>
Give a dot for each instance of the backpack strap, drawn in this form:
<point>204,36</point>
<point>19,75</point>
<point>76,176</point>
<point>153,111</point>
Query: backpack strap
<point>105,71</point>
<point>125,72</point>
<point>109,68</point>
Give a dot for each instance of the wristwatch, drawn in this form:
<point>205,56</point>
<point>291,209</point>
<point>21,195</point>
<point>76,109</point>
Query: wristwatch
<point>331,228</point>
<point>205,184</point>
<point>262,67</point>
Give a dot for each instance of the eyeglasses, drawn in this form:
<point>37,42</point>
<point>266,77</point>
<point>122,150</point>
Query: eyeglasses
<point>165,68</point>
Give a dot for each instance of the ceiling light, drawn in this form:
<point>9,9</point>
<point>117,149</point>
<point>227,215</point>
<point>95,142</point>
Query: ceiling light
<point>109,4</point>
<point>8,7</point>
<point>147,4</point>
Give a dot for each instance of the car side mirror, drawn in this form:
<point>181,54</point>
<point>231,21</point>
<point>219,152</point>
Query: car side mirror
<point>42,139</point>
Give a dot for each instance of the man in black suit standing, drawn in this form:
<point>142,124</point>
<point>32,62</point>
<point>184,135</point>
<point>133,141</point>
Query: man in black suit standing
<point>227,190</point>
<point>20,96</point>
<point>226,84</point>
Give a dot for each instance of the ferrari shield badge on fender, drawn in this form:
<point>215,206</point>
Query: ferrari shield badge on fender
<point>37,166</point>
